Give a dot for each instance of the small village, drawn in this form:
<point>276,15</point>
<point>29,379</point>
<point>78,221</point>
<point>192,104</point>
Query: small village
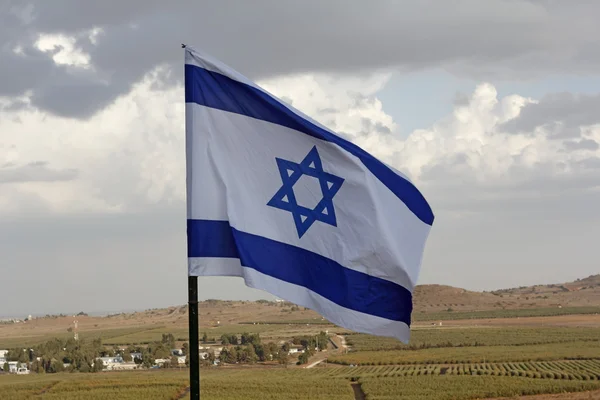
<point>77,354</point>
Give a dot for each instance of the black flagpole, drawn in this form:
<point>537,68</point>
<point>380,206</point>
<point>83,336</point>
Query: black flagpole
<point>194,350</point>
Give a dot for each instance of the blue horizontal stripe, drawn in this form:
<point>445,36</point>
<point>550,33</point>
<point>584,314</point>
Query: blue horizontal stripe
<point>208,238</point>
<point>346,287</point>
<point>215,90</point>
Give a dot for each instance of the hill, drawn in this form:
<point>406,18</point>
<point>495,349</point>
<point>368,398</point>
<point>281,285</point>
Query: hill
<point>427,298</point>
<point>580,293</point>
<point>215,315</point>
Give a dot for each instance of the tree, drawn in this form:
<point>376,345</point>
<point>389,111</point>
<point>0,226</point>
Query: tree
<point>160,350</point>
<point>168,340</point>
<point>303,358</point>
<point>229,355</point>
<point>211,356</point>
<point>6,367</point>
<point>247,354</point>
<point>322,340</point>
<point>147,359</point>
<point>233,339</point>
<point>225,339</point>
<point>260,352</point>
<point>85,367</point>
<point>250,338</point>
<point>98,365</point>
<point>286,347</point>
<point>174,362</point>
<point>282,358</point>
<point>204,337</point>
<point>56,366</point>
<point>126,356</point>
<point>37,367</point>
<point>185,348</point>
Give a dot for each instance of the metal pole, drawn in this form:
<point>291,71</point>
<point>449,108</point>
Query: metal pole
<point>194,350</point>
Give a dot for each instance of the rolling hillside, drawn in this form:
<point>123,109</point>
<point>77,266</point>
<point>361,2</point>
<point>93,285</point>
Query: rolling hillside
<point>215,313</point>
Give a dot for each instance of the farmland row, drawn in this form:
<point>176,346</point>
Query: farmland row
<point>459,315</point>
<point>454,355</point>
<point>465,387</point>
<point>456,337</point>
<point>516,313</point>
<point>261,384</point>
<point>568,370</point>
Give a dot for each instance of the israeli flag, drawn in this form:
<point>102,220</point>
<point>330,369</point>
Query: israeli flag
<point>280,200</point>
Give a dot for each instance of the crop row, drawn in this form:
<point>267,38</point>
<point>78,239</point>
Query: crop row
<point>569,370</point>
<point>465,387</point>
<point>252,384</point>
<point>545,352</point>
<point>533,312</point>
<point>380,382</point>
<point>452,337</point>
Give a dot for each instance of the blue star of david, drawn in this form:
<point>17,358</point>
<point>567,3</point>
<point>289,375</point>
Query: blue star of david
<point>285,199</point>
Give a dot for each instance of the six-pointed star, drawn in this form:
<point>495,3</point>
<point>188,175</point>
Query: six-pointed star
<point>285,199</point>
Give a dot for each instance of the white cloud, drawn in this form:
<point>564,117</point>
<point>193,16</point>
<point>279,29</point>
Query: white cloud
<point>64,49</point>
<point>131,155</point>
<point>491,190</point>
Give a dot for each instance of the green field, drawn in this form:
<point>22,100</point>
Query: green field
<point>451,355</point>
<point>142,336</point>
<point>272,384</point>
<point>255,384</point>
<point>439,363</point>
<point>585,370</point>
<point>461,337</point>
<point>464,387</point>
<point>520,313</point>
<point>107,335</point>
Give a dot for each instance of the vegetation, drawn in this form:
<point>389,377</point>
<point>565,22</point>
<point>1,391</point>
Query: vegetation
<point>453,337</point>
<point>465,387</point>
<point>441,362</point>
<point>585,370</point>
<point>503,313</point>
<point>129,385</point>
<point>106,335</point>
<point>543,352</point>
<point>308,321</point>
<point>84,355</point>
<point>271,384</point>
<point>169,384</point>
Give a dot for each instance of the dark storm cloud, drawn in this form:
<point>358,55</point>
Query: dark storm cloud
<point>560,113</point>
<point>34,172</point>
<point>267,37</point>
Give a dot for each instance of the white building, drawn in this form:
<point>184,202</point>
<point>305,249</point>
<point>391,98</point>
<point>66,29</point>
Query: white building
<point>22,371</point>
<point>3,357</point>
<point>15,367</point>
<point>124,366</point>
<point>109,363</point>
<point>176,352</point>
<point>161,361</point>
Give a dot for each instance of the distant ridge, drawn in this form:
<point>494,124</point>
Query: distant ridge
<point>427,298</point>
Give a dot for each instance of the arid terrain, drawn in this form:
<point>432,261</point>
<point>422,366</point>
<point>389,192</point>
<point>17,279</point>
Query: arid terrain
<point>430,300</point>
<point>534,343</point>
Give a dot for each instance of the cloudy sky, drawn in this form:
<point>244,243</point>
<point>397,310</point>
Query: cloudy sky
<point>492,108</point>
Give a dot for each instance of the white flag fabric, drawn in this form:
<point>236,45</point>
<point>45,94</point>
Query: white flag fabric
<point>278,199</point>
